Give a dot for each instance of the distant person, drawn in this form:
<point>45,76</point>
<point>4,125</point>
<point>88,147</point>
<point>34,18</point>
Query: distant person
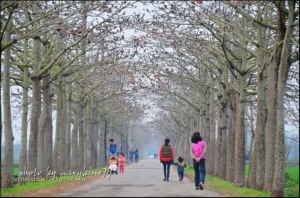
<point>198,151</point>
<point>121,160</point>
<point>166,156</point>
<point>180,167</point>
<point>131,153</point>
<point>136,155</point>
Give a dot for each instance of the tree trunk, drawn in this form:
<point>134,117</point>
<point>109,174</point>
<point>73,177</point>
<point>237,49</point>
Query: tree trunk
<point>222,130</point>
<point>279,174</point>
<point>231,136</point>
<point>45,128</point>
<point>44,120</point>
<point>259,142</point>
<point>81,135</point>
<point>271,120</point>
<point>102,139</point>
<point>81,138</point>
<point>7,173</point>
<point>88,127</point>
<point>61,155</point>
<point>252,158</point>
<point>59,108</point>
<point>207,134</point>
<point>74,147</point>
<point>23,153</point>
<point>272,93</point>
<point>35,110</point>
<point>105,140</point>
<point>68,98</point>
<point>94,134</point>
<point>239,158</point>
<point>212,134</point>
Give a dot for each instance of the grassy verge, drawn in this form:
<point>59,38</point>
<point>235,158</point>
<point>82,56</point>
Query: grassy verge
<point>226,188</point>
<point>18,190</point>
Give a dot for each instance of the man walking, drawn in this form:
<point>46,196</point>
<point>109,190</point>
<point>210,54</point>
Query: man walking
<point>131,153</point>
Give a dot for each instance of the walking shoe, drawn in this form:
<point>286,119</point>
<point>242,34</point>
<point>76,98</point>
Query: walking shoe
<point>197,187</point>
<point>168,179</point>
<point>201,187</point>
<point>165,179</point>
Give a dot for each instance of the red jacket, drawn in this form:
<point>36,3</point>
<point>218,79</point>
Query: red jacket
<point>121,160</point>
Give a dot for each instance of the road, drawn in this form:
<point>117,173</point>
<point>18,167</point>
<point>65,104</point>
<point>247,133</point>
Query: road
<point>143,179</point>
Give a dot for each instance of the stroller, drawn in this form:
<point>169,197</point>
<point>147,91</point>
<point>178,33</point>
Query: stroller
<point>113,164</point>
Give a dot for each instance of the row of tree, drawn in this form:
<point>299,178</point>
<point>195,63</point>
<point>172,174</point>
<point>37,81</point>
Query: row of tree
<point>220,68</point>
<point>228,68</point>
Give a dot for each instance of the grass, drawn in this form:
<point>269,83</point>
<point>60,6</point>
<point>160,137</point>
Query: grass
<point>30,186</point>
<point>223,187</point>
<point>291,181</point>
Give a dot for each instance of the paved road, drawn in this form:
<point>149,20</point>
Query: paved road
<point>144,179</point>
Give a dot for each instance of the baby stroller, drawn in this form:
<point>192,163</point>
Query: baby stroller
<point>113,166</point>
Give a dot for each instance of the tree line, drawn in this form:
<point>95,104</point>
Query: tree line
<point>220,68</point>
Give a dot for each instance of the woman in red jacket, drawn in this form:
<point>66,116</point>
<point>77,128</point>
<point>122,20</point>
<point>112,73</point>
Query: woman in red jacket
<point>166,156</point>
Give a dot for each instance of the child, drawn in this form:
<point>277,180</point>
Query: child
<point>113,164</point>
<point>180,167</point>
<point>121,160</point>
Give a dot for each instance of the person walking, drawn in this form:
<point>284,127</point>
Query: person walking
<point>121,160</point>
<point>180,167</point>
<point>166,156</point>
<point>131,153</point>
<point>136,155</point>
<point>112,148</point>
<point>198,153</point>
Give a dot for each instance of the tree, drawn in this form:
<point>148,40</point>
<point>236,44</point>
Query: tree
<point>7,174</point>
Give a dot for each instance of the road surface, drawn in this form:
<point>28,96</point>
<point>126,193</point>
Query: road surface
<point>143,179</point>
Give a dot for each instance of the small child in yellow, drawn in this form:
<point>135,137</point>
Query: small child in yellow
<point>180,167</point>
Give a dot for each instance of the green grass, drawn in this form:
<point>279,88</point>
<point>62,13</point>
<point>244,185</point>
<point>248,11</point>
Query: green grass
<point>230,189</point>
<point>293,172</point>
<point>17,189</point>
<point>227,188</point>
<point>16,171</point>
<point>291,181</point>
<point>29,186</point>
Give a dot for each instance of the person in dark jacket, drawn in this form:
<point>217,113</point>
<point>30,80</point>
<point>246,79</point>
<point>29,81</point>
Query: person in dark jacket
<point>136,155</point>
<point>131,153</point>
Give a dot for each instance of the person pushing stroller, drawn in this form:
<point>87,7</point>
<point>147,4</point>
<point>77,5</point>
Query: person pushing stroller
<point>113,150</point>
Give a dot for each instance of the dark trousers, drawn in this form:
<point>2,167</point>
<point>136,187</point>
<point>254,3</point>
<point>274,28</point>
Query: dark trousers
<point>131,159</point>
<point>166,169</point>
<point>136,159</point>
<point>180,174</point>
<point>200,171</point>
